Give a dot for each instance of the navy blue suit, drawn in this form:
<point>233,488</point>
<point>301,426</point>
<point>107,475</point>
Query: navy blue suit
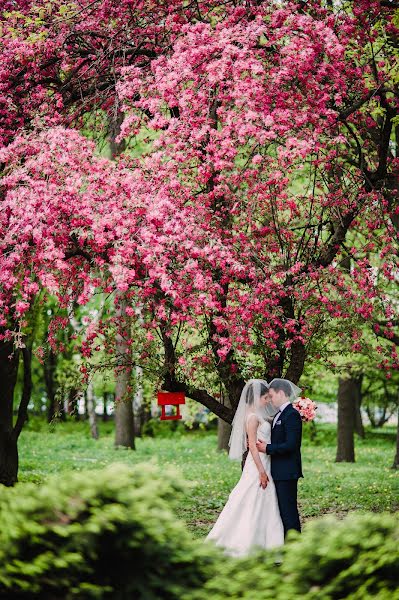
<point>286,467</point>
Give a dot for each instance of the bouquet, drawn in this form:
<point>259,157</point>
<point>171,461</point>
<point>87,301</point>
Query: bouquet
<point>306,408</point>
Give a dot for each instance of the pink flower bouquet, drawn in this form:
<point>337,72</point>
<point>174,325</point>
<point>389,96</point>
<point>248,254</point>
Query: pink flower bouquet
<point>306,408</point>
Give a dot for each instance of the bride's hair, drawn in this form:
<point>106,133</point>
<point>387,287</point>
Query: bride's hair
<point>283,386</point>
<point>248,405</point>
<point>263,389</point>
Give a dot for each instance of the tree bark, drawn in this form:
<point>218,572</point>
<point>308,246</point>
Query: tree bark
<point>73,404</point>
<point>140,414</point>
<point>224,431</point>
<point>91,411</point>
<point>359,427</point>
<point>297,362</point>
<point>53,409</point>
<point>138,408</point>
<point>396,459</point>
<point>22,415</point>
<point>108,396</point>
<point>9,360</point>
<point>346,420</point>
<point>124,418</point>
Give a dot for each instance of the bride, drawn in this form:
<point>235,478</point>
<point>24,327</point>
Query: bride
<point>251,517</point>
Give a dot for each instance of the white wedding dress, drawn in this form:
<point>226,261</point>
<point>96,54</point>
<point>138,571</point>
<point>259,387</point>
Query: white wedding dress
<point>251,517</point>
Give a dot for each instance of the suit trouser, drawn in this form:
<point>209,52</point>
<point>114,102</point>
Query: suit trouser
<point>287,493</point>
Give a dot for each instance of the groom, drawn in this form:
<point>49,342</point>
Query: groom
<point>285,450</point>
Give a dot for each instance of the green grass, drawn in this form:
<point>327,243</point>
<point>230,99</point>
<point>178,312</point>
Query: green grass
<point>328,487</point>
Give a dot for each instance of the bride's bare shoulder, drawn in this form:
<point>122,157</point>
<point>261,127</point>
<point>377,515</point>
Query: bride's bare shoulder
<point>252,417</point>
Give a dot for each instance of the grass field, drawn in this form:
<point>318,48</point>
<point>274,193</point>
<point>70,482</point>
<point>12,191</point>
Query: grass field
<point>368,485</point>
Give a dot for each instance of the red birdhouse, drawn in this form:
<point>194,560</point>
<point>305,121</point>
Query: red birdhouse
<point>171,399</point>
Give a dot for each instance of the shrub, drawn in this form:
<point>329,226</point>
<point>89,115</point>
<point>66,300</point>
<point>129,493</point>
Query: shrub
<point>353,559</point>
<point>105,534</point>
<point>113,534</point>
<point>163,429</point>
<point>318,434</point>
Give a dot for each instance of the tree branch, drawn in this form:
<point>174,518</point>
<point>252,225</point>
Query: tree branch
<point>201,396</point>
<point>344,114</point>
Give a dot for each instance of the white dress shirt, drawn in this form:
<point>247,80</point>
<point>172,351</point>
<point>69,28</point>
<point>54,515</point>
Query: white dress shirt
<point>282,407</point>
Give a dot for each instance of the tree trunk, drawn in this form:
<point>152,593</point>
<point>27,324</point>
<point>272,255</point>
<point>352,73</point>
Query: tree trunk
<point>73,404</point>
<point>359,427</point>
<point>124,429</point>
<point>91,411</point>
<point>346,420</point>
<point>8,457</point>
<point>106,397</point>
<point>297,362</point>
<point>124,419</point>
<point>9,434</point>
<point>138,408</point>
<point>396,459</point>
<point>49,366</point>
<point>348,399</point>
<point>8,442</point>
<point>371,415</point>
<point>224,431</point>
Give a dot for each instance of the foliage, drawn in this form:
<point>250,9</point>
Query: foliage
<point>168,429</point>
<point>209,231</point>
<point>110,534</point>
<point>380,396</point>
<point>355,558</point>
<point>113,534</point>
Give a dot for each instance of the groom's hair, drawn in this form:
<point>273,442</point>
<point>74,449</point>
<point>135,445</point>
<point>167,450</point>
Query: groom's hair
<point>250,394</point>
<point>281,386</point>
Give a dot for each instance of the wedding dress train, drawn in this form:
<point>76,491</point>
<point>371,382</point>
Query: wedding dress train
<point>251,517</point>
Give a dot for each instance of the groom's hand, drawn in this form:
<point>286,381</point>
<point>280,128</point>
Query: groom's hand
<point>261,446</point>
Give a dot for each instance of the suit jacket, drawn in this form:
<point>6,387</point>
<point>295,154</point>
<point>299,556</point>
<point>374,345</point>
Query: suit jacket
<point>285,446</point>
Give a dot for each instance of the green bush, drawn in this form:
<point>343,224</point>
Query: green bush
<point>105,534</point>
<point>163,429</point>
<point>170,429</point>
<point>113,534</point>
<point>318,434</point>
<point>354,559</point>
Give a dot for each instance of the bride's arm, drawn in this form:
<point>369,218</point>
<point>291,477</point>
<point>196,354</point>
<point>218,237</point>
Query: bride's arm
<point>252,428</point>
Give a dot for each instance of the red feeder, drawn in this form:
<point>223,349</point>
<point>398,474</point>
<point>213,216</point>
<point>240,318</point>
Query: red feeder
<point>171,399</point>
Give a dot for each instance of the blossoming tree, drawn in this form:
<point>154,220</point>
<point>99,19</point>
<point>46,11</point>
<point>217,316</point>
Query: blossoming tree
<point>271,129</point>
<point>261,120</point>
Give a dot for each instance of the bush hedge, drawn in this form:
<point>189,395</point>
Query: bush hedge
<point>355,558</point>
<point>101,534</point>
<point>163,429</point>
<point>113,534</point>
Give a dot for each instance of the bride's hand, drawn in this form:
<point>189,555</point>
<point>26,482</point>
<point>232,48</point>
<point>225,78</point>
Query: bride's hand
<point>264,480</point>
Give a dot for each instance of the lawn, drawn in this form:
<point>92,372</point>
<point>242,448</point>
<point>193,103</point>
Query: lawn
<point>369,484</point>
